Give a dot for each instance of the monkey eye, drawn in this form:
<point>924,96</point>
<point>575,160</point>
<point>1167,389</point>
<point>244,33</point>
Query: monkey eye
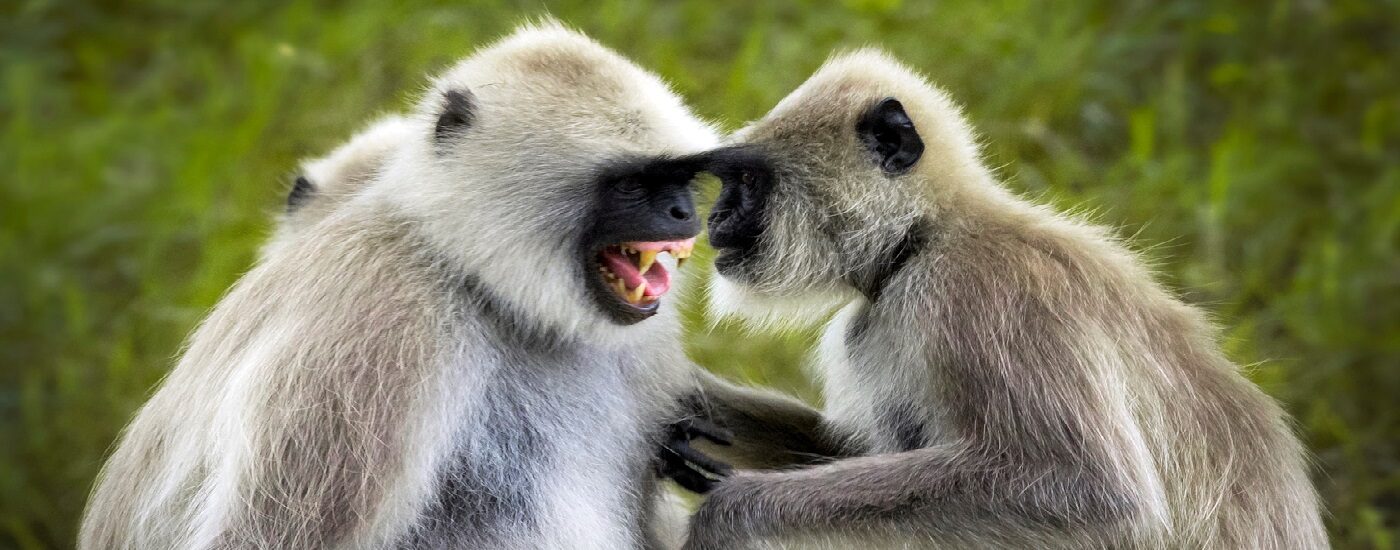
<point>746,177</point>
<point>629,186</point>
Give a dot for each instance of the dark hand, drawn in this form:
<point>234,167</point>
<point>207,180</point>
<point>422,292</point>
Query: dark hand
<point>689,467</point>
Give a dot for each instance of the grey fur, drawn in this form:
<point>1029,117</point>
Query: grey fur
<point>411,363</point>
<point>1058,396</point>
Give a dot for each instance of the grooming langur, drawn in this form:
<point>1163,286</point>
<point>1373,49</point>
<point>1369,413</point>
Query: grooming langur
<point>468,352</point>
<point>1015,375</point>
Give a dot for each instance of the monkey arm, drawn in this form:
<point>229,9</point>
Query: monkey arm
<point>764,429</point>
<point>943,492</point>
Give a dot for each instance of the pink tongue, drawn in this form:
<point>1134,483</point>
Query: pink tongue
<point>657,278</point>
<point>622,266</point>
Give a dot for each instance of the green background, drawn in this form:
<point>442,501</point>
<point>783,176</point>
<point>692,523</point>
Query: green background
<point>1252,148</point>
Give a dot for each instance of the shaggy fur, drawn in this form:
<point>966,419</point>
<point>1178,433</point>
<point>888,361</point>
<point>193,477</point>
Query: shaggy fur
<point>1017,379</point>
<point>417,365</point>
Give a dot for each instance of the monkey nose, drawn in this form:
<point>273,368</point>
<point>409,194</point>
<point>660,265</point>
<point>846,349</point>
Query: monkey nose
<point>681,212</point>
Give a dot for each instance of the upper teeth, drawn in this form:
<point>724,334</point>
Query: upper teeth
<point>681,254</point>
<point>647,257</point>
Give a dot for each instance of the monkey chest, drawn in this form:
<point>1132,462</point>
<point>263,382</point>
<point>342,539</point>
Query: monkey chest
<point>538,468</point>
<point>877,392</point>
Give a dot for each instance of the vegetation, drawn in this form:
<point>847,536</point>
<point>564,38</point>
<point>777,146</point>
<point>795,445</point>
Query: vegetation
<point>1252,147</point>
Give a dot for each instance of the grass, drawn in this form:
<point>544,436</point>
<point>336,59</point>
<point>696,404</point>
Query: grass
<point>1253,148</point>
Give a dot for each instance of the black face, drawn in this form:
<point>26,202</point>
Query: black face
<point>737,221</point>
<point>644,207</point>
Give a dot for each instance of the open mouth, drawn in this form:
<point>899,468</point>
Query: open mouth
<point>633,274</point>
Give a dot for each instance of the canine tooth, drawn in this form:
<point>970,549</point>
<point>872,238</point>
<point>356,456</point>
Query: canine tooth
<point>635,295</point>
<point>620,287</point>
<point>647,258</point>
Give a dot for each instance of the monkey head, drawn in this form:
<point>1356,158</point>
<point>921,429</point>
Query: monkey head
<point>835,185</point>
<point>556,173</point>
<point>323,184</point>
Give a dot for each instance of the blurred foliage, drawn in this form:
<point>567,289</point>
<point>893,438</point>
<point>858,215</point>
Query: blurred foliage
<point>1252,147</point>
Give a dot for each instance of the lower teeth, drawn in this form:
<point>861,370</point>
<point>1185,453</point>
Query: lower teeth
<point>633,295</point>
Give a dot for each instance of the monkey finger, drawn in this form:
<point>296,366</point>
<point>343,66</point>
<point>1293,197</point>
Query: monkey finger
<point>709,430</point>
<point>682,456</point>
<point>704,461</point>
<point>692,481</point>
<point>674,467</point>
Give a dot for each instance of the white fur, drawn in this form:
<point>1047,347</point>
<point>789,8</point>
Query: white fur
<point>326,396</point>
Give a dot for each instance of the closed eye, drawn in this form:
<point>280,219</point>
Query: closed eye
<point>628,186</point>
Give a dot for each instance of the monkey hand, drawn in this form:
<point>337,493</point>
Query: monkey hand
<point>687,466</point>
<point>723,520</point>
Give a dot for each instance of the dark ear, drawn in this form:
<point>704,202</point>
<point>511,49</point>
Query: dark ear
<point>886,130</point>
<point>456,113</point>
<point>301,192</point>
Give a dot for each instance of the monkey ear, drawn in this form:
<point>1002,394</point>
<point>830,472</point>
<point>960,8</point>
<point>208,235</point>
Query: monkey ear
<point>456,114</point>
<point>301,192</point>
<point>887,132</point>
